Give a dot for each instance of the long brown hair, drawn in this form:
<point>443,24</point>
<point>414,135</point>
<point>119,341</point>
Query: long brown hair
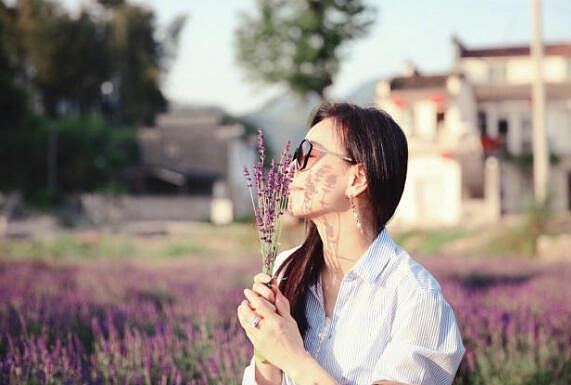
<point>370,136</point>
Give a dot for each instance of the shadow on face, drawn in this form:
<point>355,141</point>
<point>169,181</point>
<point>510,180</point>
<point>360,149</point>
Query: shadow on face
<point>319,189</point>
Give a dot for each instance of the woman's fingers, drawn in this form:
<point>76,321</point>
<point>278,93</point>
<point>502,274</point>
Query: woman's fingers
<point>259,304</point>
<point>265,292</point>
<point>262,278</point>
<point>245,313</point>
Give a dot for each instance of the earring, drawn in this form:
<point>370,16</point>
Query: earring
<point>356,213</point>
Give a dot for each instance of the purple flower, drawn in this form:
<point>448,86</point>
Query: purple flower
<point>268,192</point>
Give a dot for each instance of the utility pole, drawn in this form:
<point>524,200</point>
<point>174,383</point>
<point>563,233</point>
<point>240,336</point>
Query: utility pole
<point>540,151</point>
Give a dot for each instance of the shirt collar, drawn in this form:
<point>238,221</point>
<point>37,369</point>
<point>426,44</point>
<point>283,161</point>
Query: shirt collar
<point>371,264</point>
<point>376,257</point>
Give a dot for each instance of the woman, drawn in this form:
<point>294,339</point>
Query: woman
<point>351,306</point>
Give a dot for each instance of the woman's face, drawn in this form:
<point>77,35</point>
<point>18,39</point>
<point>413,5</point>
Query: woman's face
<point>320,188</point>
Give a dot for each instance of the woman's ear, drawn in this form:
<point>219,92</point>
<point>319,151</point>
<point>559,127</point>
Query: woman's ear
<point>357,180</point>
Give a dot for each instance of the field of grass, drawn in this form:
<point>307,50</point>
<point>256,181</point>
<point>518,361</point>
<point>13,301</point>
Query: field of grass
<point>197,240</point>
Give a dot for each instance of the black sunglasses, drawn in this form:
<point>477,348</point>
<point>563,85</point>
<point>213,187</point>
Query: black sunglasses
<point>301,154</point>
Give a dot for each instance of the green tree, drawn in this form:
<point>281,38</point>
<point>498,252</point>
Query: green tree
<point>63,65</point>
<point>19,136</point>
<point>13,103</point>
<point>300,43</point>
<point>139,58</point>
<point>136,63</point>
<point>62,58</point>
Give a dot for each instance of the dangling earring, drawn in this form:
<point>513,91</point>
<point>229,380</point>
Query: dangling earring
<point>356,214</point>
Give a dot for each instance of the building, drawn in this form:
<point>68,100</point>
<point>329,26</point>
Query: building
<point>481,108</point>
<point>190,169</point>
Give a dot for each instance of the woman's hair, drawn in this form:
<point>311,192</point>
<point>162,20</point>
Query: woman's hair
<point>370,136</point>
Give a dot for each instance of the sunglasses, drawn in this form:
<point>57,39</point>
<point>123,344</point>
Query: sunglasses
<point>301,154</point>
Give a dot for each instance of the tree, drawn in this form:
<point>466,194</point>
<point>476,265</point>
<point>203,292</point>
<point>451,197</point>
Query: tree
<point>60,75</point>
<point>71,64</point>
<point>139,59</point>
<point>13,103</point>
<point>19,137</point>
<point>300,43</point>
<point>62,58</point>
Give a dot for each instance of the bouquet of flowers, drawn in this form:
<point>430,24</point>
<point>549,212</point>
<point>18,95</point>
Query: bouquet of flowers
<point>269,193</point>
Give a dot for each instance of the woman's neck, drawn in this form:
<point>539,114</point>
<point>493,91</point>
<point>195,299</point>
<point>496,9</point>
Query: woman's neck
<point>343,243</point>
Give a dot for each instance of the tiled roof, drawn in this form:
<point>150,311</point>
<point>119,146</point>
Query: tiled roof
<point>418,81</point>
<point>485,93</point>
<point>187,142</point>
<point>563,49</point>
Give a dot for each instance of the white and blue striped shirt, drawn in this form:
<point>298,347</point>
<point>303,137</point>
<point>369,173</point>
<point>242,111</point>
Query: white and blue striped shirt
<point>390,322</point>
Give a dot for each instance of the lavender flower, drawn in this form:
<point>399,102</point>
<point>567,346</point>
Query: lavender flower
<point>117,322</point>
<point>268,193</point>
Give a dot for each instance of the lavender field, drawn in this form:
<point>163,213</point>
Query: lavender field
<point>174,322</point>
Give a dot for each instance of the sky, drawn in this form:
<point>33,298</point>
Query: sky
<point>205,72</point>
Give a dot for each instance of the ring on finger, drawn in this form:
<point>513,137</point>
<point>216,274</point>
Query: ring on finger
<point>255,320</point>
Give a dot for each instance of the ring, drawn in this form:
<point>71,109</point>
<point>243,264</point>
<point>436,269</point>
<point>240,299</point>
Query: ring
<point>255,321</point>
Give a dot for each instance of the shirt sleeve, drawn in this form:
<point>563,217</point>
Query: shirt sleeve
<point>249,377</point>
<point>426,346</point>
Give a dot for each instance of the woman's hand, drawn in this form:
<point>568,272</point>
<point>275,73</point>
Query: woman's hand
<point>260,287</point>
<point>276,336</point>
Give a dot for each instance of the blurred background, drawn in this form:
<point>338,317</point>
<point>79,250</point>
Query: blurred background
<point>126,228</point>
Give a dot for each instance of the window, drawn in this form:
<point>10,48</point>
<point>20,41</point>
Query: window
<point>483,123</point>
<point>440,116</point>
<point>526,134</point>
<point>503,129</point>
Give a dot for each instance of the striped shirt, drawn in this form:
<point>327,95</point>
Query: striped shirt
<point>390,322</point>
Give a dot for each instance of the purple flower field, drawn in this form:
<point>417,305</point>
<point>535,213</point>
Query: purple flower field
<point>175,322</point>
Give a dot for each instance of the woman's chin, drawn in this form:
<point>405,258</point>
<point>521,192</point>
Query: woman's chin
<point>296,211</point>
<point>292,211</point>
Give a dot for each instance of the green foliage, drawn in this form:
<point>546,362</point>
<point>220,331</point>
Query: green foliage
<point>300,43</point>
<point>58,63</point>
<point>430,241</point>
<point>13,100</point>
<point>68,56</point>
<point>537,215</point>
<point>180,249</point>
<point>91,155</point>
<point>23,153</point>
<point>525,161</point>
<point>521,238</point>
<point>63,59</point>
<point>522,361</point>
<point>135,57</point>
<point>202,242</point>
<point>68,247</point>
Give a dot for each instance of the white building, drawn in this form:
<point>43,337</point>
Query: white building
<point>482,107</point>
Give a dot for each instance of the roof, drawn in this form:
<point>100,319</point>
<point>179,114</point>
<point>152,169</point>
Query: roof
<point>561,49</point>
<point>188,142</point>
<point>485,93</point>
<point>418,81</point>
